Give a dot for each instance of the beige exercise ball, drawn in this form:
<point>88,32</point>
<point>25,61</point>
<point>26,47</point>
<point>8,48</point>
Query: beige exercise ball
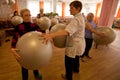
<point>44,23</point>
<point>6,1</point>
<point>108,32</point>
<point>59,41</point>
<point>11,2</point>
<point>16,20</point>
<point>34,53</point>
<point>54,21</point>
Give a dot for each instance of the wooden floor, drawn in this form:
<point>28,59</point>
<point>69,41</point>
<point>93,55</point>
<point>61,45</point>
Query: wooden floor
<point>104,65</point>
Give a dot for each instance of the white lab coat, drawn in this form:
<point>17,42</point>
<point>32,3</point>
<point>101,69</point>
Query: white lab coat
<point>75,44</point>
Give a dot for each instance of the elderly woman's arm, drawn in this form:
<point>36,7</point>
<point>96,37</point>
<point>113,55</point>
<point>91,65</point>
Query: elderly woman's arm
<point>88,26</point>
<point>50,36</point>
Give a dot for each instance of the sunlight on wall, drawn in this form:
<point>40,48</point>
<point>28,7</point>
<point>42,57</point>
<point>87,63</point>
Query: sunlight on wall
<point>47,7</point>
<point>59,9</point>
<point>33,6</point>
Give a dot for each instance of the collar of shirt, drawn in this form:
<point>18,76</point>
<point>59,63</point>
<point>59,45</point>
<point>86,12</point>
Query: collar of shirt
<point>77,14</point>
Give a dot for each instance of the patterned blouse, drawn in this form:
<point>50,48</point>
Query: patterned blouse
<point>21,29</point>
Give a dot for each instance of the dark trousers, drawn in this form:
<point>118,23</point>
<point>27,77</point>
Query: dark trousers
<point>88,47</point>
<point>25,73</point>
<point>71,64</point>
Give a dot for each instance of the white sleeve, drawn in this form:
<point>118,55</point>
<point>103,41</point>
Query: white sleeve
<point>72,26</point>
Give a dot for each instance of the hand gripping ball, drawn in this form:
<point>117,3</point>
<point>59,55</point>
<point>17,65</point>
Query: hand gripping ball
<point>34,53</point>
<point>59,41</point>
<point>16,20</point>
<point>44,23</point>
<point>108,32</point>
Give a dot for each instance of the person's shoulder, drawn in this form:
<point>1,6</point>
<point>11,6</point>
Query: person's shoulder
<point>93,22</point>
<point>34,25</point>
<point>44,14</point>
<point>19,26</point>
<point>38,14</point>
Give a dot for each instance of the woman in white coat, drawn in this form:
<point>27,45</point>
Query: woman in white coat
<point>75,44</point>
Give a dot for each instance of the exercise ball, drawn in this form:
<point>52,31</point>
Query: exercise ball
<point>59,41</point>
<point>11,2</point>
<point>6,1</point>
<point>54,21</point>
<point>109,36</point>
<point>16,20</point>
<point>34,53</point>
<point>44,23</point>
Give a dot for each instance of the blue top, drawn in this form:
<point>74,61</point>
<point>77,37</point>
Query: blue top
<point>88,33</point>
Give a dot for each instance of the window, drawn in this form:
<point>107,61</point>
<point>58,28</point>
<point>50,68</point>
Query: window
<point>59,8</point>
<point>33,6</point>
<point>47,7</point>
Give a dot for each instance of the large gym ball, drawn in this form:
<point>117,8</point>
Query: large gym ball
<point>16,20</point>
<point>11,2</point>
<point>34,53</point>
<point>54,21</point>
<point>6,1</point>
<point>59,41</point>
<point>109,36</point>
<point>44,23</point>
